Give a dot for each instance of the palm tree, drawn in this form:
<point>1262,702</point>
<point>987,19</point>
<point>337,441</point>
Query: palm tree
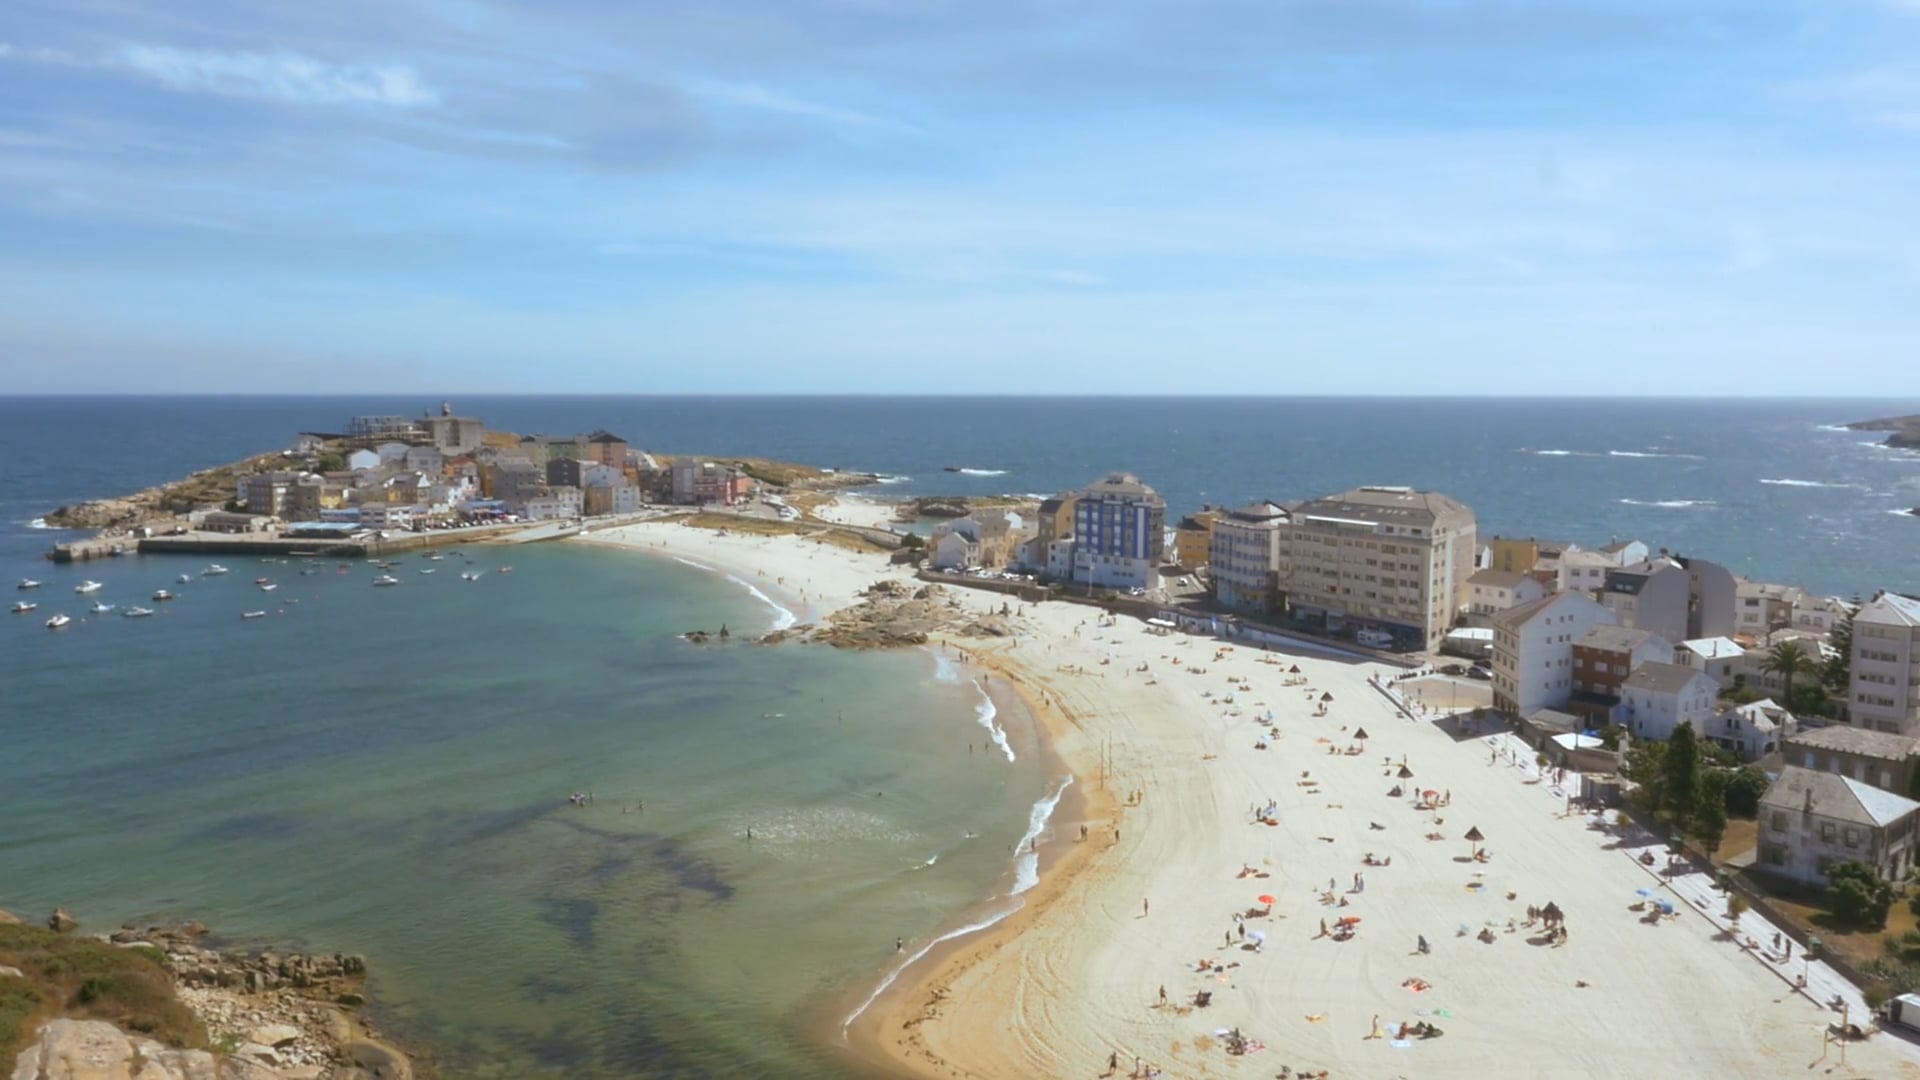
<point>1787,660</point>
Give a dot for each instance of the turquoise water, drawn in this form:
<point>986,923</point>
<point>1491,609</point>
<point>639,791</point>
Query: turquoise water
<point>386,771</point>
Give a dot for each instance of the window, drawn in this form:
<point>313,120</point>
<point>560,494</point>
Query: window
<point>1827,831</point>
<point>1853,836</point>
<point>1779,822</point>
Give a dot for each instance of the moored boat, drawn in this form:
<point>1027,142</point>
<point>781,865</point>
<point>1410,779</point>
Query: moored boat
<point>268,586</point>
<point>137,612</point>
<point>184,579</point>
<point>57,622</point>
<point>101,607</point>
<point>21,607</point>
<point>429,570</point>
<point>386,579</point>
<point>253,614</point>
<point>162,594</point>
<point>213,570</point>
<point>470,575</point>
<point>86,587</point>
<point>28,583</point>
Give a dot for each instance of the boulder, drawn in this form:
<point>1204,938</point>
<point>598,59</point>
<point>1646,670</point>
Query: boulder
<point>96,1050</point>
<point>275,1035</point>
<point>377,1061</point>
<point>8,918</point>
<point>62,921</point>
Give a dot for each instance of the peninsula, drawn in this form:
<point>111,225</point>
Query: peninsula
<point>1905,430</point>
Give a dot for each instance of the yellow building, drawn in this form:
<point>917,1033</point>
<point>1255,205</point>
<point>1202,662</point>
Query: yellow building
<point>1055,518</point>
<point>1193,538</point>
<point>1513,556</point>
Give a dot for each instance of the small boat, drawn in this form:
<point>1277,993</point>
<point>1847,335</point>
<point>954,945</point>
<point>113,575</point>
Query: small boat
<point>268,586</point>
<point>435,557</point>
<point>428,570</point>
<point>260,580</point>
<point>506,569</point>
<point>213,570</point>
<point>57,622</point>
<point>86,587</point>
<point>386,579</point>
<point>137,612</point>
<point>162,594</point>
<point>184,579</point>
<point>291,600</point>
<point>21,607</point>
<point>101,607</point>
<point>28,583</point>
<point>470,575</point>
<point>253,614</point>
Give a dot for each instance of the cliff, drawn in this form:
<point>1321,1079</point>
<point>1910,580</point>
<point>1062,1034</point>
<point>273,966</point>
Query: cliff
<point>1905,430</point>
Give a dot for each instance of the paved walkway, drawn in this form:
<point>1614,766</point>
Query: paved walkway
<point>1693,887</point>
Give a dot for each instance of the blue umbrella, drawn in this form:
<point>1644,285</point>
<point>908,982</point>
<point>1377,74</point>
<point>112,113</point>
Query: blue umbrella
<point>1666,907</point>
<point>1643,892</point>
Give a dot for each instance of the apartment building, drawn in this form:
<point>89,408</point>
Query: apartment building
<point>1533,651</point>
<point>1680,599</point>
<point>1248,556</point>
<point>1119,533</point>
<point>1884,689</point>
<point>1390,560</point>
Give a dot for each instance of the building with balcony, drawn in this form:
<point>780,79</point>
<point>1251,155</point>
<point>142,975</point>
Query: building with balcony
<point>1883,691</point>
<point>1248,557</point>
<point>1392,561</point>
<point>1119,533</point>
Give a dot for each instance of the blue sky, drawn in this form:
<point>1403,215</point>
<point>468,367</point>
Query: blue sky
<point>1210,196</point>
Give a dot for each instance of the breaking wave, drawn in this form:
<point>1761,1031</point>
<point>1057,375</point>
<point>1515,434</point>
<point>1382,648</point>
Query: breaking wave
<point>1806,484</point>
<point>986,713</point>
<point>782,618</point>
<point>1653,454</point>
<point>1668,504</point>
<point>1026,865</point>
<point>981,472</point>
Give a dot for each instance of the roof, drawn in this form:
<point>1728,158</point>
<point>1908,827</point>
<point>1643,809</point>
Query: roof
<point>1586,558</point>
<point>1834,796</point>
<point>1555,720</point>
<point>1619,546</point>
<point>1470,633</point>
<point>1573,740</point>
<point>1374,505</point>
<point>1257,513</point>
<point>1662,678</point>
<point>1743,587</point>
<point>605,437</point>
<point>1119,483</point>
<point>1764,715</point>
<point>1890,609</point>
<point>1496,579</point>
<point>1521,614</point>
<point>1852,740</point>
<point>1613,638</point>
<point>1714,648</point>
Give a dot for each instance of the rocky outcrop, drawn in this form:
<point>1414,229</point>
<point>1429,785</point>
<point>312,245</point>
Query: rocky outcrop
<point>96,1050</point>
<point>62,921</point>
<point>894,614</point>
<point>1905,430</point>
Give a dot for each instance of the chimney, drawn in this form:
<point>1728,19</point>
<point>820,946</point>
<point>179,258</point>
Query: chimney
<point>1807,806</point>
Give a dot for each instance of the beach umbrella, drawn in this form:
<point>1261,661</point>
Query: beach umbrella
<point>1406,773</point>
<point>1348,920</point>
<point>1429,795</point>
<point>1643,892</point>
<point>1265,898</point>
<point>1294,670</point>
<point>1473,835</point>
<point>1328,696</point>
<point>1361,734</point>
<point>1666,907</point>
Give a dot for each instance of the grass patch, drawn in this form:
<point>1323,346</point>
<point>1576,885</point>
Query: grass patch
<point>816,531</point>
<point>88,980</point>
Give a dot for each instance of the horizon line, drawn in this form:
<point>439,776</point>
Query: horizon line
<point>861,394</point>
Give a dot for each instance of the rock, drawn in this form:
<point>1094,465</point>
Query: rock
<point>10,972</point>
<point>377,1061</point>
<point>257,1052</point>
<point>349,999</point>
<point>8,918</point>
<point>96,1050</point>
<point>275,1035</point>
<point>62,921</point>
<point>354,965</point>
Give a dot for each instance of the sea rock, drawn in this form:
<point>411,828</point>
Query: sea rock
<point>96,1050</point>
<point>374,1061</point>
<point>62,921</point>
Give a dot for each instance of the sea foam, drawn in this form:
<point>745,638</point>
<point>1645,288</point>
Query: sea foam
<point>1806,484</point>
<point>959,931</point>
<point>1668,504</point>
<point>1026,863</point>
<point>988,716</point>
<point>983,472</point>
<point>782,618</point>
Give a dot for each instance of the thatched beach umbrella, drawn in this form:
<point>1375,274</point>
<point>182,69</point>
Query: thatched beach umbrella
<point>1406,773</point>
<point>1294,670</point>
<point>1360,734</point>
<point>1326,696</point>
<point>1474,836</point>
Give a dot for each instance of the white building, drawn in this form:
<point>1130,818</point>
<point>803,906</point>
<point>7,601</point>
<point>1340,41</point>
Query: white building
<point>1679,599</point>
<point>1119,533</point>
<point>1762,608</point>
<point>1809,819</point>
<point>1753,730</point>
<point>1820,614</point>
<point>392,453</point>
<point>1585,571</point>
<point>362,460</point>
<point>557,504</point>
<point>1246,553</point>
<point>1884,690</point>
<point>1626,552</point>
<point>1386,560</point>
<point>1719,657</point>
<point>1059,565</point>
<point>954,549</point>
<point>1658,698</point>
<point>1490,591</point>
<point>1533,650</point>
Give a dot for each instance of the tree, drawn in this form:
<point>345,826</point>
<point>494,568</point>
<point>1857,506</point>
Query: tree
<point>1839,667</point>
<point>1610,736</point>
<point>1857,895</point>
<point>1789,660</point>
<point>1736,906</point>
<point>1680,776</point>
<point>330,463</point>
<point>1744,788</point>
<point>1709,822</point>
<point>1643,764</point>
<point>913,542</point>
<point>1809,700</point>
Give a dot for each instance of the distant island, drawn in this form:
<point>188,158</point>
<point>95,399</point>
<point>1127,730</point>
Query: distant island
<point>1905,430</point>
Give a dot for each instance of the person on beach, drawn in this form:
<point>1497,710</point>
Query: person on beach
<point>1377,1033</point>
<point>1422,948</point>
<point>1144,907</point>
<point>1163,995</point>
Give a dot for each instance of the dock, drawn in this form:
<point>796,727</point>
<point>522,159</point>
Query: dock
<point>267,544</point>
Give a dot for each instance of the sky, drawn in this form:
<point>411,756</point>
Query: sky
<point>1593,197</point>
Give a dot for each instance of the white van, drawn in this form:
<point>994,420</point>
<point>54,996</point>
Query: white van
<point>1373,639</point>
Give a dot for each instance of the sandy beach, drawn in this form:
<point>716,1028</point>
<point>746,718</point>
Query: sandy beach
<point>1149,900</point>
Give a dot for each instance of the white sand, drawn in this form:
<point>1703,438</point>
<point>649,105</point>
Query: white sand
<point>857,510</point>
<point>1053,991</point>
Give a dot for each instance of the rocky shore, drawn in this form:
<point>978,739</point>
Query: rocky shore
<point>894,613</point>
<point>1905,430</point>
<point>266,1015</point>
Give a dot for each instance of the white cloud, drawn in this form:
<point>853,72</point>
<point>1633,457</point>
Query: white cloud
<point>277,76</point>
<point>765,99</point>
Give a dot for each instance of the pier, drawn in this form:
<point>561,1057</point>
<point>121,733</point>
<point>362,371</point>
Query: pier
<point>269,544</point>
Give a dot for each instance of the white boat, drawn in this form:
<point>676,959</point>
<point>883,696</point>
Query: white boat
<point>506,569</point>
<point>253,614</point>
<point>101,607</point>
<point>162,594</point>
<point>28,583</point>
<point>213,570</point>
<point>57,622</point>
<point>429,570</point>
<point>86,587</point>
<point>470,575</point>
<point>137,612</point>
<point>435,557</point>
<point>184,579</point>
<point>21,607</point>
<point>386,579</point>
<point>268,587</point>
<point>261,580</point>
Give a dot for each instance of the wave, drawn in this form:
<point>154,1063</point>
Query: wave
<point>981,472</point>
<point>1561,453</point>
<point>1026,864</point>
<point>1831,427</point>
<point>1669,504</point>
<point>782,618</point>
<point>886,479</point>
<point>38,523</point>
<point>985,713</point>
<point>1807,484</point>
<point>1653,454</point>
<point>1904,513</point>
<point>960,931</point>
<point>944,669</point>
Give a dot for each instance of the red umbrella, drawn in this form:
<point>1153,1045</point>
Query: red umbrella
<point>1348,920</point>
<point>1266,898</point>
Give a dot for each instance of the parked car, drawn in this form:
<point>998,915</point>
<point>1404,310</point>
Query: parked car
<point>1479,672</point>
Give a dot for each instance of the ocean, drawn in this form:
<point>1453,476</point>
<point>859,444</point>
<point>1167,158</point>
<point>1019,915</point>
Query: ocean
<point>386,771</point>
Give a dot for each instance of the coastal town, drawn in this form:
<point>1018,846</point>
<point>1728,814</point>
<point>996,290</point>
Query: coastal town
<point>1747,751</point>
